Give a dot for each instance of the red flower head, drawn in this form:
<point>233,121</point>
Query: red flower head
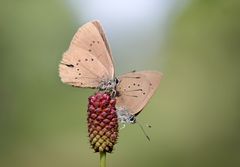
<point>102,122</point>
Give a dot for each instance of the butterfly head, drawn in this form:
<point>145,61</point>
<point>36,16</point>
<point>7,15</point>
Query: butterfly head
<point>124,116</point>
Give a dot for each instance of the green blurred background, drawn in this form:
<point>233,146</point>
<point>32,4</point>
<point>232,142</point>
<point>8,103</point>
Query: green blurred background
<point>194,115</point>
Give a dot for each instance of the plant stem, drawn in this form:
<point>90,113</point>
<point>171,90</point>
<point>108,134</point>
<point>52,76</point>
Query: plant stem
<point>103,159</point>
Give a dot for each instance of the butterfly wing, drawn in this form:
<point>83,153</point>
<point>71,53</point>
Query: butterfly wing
<point>101,31</point>
<point>136,88</point>
<point>91,38</point>
<point>81,69</point>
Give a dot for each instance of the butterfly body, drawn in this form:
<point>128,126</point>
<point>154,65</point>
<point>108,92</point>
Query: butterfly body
<point>109,86</point>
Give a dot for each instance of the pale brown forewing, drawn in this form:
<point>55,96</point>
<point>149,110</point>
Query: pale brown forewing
<point>136,88</point>
<point>101,31</point>
<point>81,69</point>
<point>92,39</point>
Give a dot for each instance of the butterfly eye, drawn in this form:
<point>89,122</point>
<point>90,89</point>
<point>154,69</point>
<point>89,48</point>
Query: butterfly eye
<point>116,80</point>
<point>132,119</point>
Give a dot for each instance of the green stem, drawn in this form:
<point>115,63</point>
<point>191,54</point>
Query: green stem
<point>103,159</point>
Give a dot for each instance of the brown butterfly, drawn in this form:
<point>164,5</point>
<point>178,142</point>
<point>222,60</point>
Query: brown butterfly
<point>88,63</point>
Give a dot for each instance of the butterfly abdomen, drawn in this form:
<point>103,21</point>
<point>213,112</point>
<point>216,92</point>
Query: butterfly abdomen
<point>102,122</point>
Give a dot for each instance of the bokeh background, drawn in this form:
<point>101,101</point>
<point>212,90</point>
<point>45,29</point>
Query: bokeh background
<point>194,115</point>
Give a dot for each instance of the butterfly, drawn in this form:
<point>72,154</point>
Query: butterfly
<point>88,63</point>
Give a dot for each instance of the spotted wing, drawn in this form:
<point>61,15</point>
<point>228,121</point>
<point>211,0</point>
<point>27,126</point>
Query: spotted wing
<point>136,88</point>
<point>81,69</point>
<point>91,38</point>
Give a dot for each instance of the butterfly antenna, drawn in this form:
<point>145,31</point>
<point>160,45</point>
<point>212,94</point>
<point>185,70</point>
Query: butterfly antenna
<point>149,126</point>
<point>144,132</point>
